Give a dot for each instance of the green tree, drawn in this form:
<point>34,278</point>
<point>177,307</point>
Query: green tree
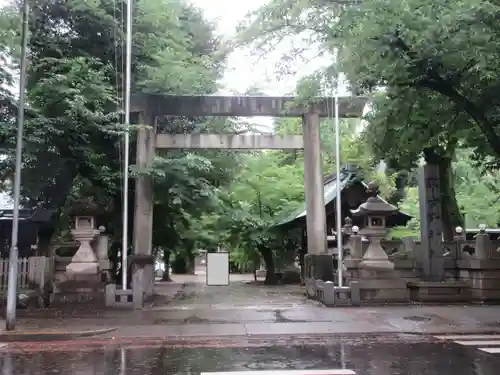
<point>267,189</point>
<point>439,79</point>
<point>73,138</point>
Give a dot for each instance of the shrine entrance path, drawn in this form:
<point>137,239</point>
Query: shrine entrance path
<point>242,293</point>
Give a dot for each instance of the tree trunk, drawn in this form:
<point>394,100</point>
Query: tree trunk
<point>166,264</point>
<point>399,195</point>
<point>267,255</point>
<point>450,210</point>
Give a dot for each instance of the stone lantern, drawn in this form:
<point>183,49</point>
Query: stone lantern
<point>375,213</point>
<point>83,229</point>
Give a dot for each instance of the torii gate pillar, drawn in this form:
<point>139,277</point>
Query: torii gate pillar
<point>314,185</point>
<point>142,261</point>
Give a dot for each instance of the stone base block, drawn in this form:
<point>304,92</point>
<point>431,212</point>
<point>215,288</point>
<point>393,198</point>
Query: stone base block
<point>82,269</point>
<point>331,295</point>
<point>377,264</point>
<point>117,297</point>
<point>82,297</point>
<point>429,291</point>
<point>383,290</point>
<point>105,264</point>
<point>142,277</point>
<point>380,286</point>
<point>485,295</point>
<point>261,273</point>
<point>88,291</point>
<point>319,267</point>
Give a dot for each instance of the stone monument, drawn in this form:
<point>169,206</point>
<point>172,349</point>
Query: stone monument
<point>375,212</point>
<point>374,273</point>
<point>84,263</point>
<point>431,251</point>
<point>82,279</point>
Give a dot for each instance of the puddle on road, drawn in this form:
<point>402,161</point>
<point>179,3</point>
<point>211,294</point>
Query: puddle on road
<point>416,318</point>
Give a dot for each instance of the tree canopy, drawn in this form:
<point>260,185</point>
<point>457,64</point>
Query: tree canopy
<point>429,68</point>
<point>73,134</point>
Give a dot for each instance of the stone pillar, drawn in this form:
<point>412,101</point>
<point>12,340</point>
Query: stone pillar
<point>142,260</point>
<point>431,226</point>
<point>318,263</point>
<point>314,185</point>
<point>356,244</point>
<point>102,246</point>
<point>483,244</point>
<point>348,225</point>
<point>84,263</point>
<point>459,239</point>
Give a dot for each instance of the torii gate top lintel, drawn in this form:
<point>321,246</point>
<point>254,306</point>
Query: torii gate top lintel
<point>244,106</point>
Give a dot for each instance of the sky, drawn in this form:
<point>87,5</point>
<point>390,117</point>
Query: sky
<point>244,69</point>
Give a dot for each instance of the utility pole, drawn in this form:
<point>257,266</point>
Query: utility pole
<point>128,80</point>
<point>10,314</point>
<point>338,203</point>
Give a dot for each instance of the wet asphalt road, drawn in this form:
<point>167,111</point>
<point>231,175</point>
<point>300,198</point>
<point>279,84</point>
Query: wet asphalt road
<point>380,355</point>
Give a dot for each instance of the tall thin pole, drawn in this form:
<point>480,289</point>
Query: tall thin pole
<point>10,314</point>
<point>128,74</point>
<point>339,187</point>
<point>123,361</point>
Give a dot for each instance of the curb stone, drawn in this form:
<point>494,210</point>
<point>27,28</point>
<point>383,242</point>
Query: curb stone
<point>51,336</point>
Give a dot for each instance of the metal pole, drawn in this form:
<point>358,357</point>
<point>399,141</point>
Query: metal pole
<point>123,362</point>
<point>10,314</point>
<point>339,187</point>
<point>128,74</point>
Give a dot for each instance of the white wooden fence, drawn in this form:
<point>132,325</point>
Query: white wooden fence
<point>33,273</point>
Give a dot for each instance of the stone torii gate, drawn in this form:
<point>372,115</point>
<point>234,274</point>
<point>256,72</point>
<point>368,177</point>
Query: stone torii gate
<point>151,106</point>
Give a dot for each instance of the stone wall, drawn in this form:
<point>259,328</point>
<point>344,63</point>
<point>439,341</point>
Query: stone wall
<point>475,263</point>
<point>470,269</point>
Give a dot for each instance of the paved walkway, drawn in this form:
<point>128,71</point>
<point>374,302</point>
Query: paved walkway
<point>246,308</point>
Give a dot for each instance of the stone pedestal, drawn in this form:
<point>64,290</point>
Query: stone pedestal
<point>375,257</point>
<point>319,267</point>
<point>446,291</point>
<point>81,280</point>
<point>84,264</point>
<point>377,285</point>
<point>482,277</point>
<point>142,278</point>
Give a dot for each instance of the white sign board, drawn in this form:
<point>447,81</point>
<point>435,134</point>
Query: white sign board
<point>217,269</point>
<point>285,372</point>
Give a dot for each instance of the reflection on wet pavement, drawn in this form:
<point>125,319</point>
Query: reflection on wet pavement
<point>375,358</point>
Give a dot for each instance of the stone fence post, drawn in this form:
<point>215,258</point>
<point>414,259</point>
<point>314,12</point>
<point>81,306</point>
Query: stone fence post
<point>101,249</point>
<point>356,244</point>
<point>348,226</point>
<point>483,244</point>
<point>459,239</point>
